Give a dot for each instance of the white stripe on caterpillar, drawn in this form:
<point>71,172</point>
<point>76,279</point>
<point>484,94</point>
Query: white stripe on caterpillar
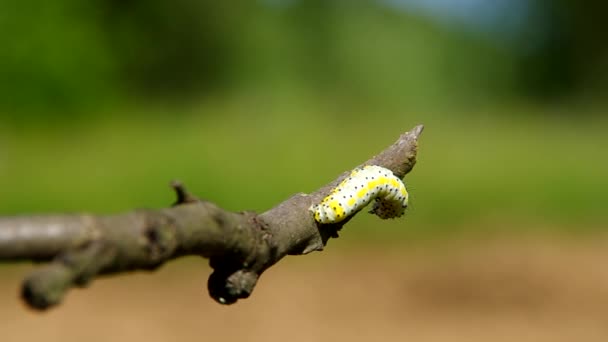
<point>357,190</point>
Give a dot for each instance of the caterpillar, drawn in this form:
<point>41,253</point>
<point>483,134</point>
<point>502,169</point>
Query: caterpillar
<point>358,190</point>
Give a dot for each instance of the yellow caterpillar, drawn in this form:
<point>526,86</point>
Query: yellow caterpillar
<point>357,190</point>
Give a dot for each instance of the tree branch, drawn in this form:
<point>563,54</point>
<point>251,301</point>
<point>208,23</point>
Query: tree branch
<point>240,246</point>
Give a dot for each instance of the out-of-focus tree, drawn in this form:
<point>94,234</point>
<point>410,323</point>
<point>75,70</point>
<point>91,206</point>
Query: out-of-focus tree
<point>175,46</point>
<point>66,54</point>
<point>52,55</point>
<point>564,48</point>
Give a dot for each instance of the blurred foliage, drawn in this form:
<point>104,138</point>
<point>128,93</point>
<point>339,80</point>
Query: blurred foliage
<point>67,56</point>
<point>563,50</point>
<point>103,102</point>
<point>177,46</point>
<point>53,57</point>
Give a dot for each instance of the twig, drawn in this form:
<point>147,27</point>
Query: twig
<point>239,246</point>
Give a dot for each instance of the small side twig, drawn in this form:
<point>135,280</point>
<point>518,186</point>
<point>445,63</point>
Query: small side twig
<point>183,195</point>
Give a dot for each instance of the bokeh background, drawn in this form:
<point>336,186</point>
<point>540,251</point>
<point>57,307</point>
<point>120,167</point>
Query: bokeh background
<point>103,102</point>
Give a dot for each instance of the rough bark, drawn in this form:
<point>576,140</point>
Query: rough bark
<point>239,246</point>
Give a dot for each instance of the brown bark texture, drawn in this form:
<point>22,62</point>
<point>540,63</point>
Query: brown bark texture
<point>240,246</point>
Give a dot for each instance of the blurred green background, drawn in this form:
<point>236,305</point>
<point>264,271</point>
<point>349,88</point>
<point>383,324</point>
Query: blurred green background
<point>102,103</point>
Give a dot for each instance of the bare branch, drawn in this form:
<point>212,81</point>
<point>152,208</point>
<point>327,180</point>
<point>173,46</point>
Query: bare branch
<point>240,246</point>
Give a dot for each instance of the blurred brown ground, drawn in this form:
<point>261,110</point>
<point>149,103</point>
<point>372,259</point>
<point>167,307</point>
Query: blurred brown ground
<point>533,288</point>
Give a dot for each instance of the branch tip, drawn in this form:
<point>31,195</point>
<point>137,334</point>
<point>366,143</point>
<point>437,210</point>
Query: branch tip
<point>416,131</point>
